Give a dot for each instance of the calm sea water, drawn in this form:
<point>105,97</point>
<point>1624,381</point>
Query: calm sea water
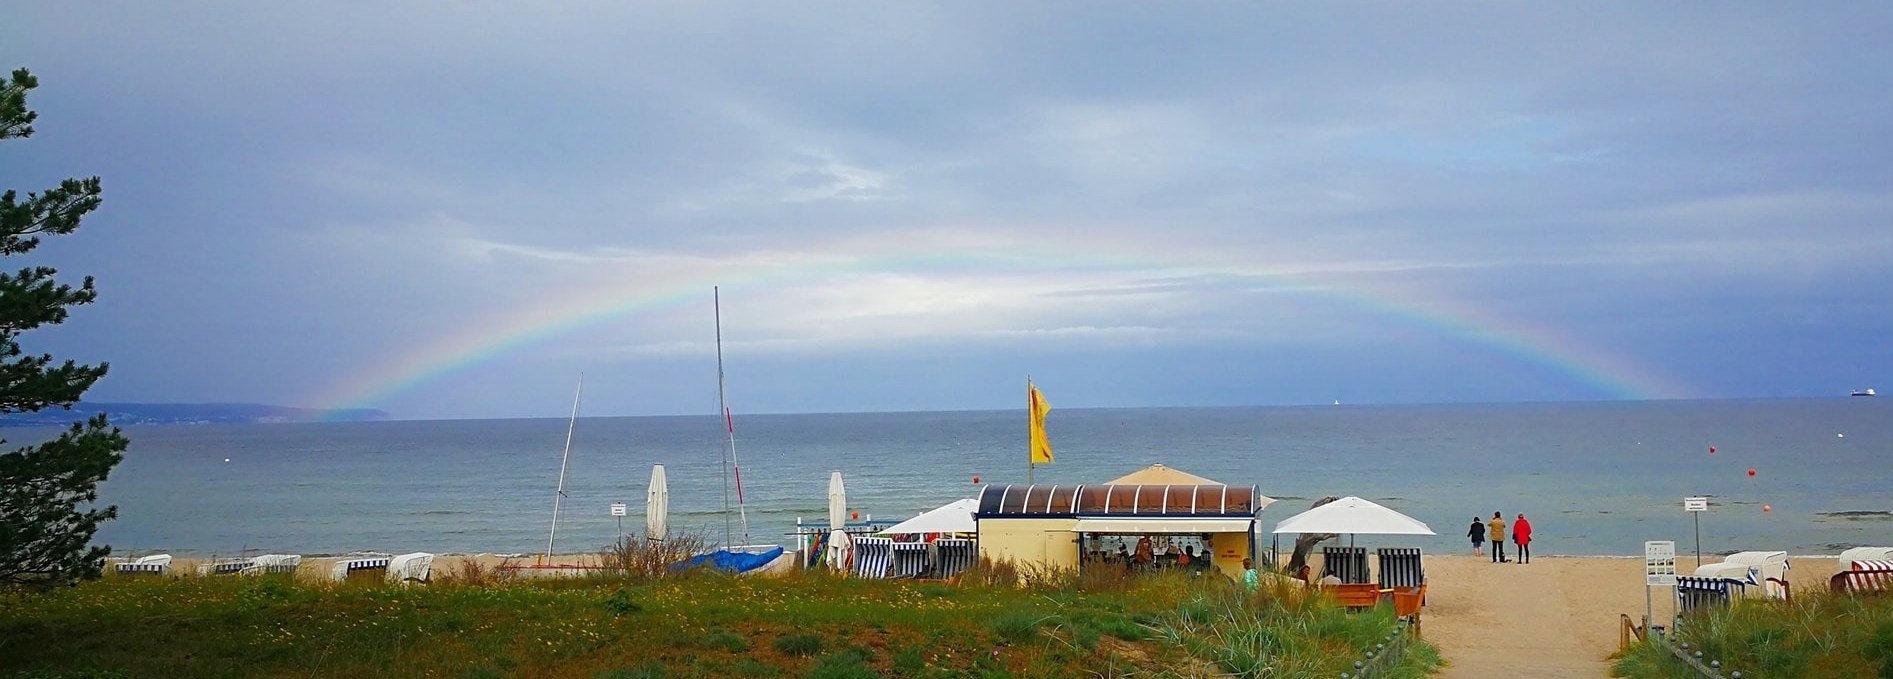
<point>1596,478</point>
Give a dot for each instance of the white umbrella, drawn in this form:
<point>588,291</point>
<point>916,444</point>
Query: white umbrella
<point>657,505</point>
<point>837,502</point>
<point>1354,516</point>
<point>955,517</point>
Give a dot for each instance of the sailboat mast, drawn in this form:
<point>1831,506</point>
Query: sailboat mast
<point>729,425</point>
<point>563,459</point>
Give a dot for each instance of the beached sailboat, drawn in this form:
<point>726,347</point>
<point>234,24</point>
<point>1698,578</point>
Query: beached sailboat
<point>740,558</point>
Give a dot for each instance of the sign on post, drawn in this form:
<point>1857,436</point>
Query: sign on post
<point>1695,504</point>
<point>617,509</point>
<point>1659,563</point>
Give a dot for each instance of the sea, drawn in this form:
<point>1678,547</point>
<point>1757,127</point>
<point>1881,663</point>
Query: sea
<point>1810,476</point>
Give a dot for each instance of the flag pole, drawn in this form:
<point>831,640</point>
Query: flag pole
<point>1030,463</point>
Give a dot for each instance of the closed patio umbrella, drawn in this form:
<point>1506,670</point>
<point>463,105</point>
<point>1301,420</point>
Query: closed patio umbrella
<point>657,505</point>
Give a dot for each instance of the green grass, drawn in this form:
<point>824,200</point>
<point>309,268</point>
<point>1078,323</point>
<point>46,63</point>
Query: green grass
<point>695,625</point>
<point>1817,635</point>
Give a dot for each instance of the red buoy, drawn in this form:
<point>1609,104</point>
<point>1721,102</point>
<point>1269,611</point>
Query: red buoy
<point>854,515</point>
<point>1767,508</point>
<point>1712,450</point>
<point>1751,471</point>
<point>975,478</point>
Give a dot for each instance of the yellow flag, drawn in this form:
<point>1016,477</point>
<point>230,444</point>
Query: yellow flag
<point>1041,447</point>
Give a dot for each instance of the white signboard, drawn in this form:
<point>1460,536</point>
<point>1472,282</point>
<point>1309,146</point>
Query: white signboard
<point>617,509</point>
<point>1695,504</point>
<point>1659,563</point>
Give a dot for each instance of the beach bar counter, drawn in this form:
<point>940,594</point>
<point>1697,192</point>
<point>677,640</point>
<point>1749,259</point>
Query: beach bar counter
<point>1062,526</point>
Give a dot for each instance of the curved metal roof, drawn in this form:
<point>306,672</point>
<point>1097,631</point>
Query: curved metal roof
<point>1052,501</point>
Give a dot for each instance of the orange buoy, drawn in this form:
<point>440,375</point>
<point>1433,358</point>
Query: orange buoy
<point>854,515</point>
<point>1767,508</point>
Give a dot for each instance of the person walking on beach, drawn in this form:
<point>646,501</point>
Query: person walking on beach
<point>1497,526</point>
<point>1521,535</point>
<point>1477,533</point>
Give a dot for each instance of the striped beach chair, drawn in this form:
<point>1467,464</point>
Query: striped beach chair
<point>360,567</point>
<point>274,564</point>
<point>1699,594</point>
<point>156,564</point>
<point>1863,580</point>
<point>911,559</point>
<point>873,557</point>
<point>1401,567</point>
<point>1870,565</point>
<point>1347,563</point>
<point>953,556</point>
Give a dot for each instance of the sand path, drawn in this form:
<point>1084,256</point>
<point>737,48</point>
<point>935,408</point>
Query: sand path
<point>1517,620</point>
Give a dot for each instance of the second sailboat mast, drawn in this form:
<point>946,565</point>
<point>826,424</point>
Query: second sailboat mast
<point>729,425</point>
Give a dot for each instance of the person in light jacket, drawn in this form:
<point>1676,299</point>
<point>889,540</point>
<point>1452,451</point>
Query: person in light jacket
<point>1497,534</point>
<point>1477,533</point>
<point>1521,535</point>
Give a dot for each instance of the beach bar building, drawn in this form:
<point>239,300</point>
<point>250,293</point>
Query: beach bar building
<point>1062,526</point>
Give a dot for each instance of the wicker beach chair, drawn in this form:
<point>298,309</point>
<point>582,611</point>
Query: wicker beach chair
<point>912,559</point>
<point>156,564</point>
<point>1869,565</point>
<point>1347,563</point>
<point>223,567</point>
<point>407,568</point>
<point>1863,581</point>
<point>954,556</point>
<point>1865,554</point>
<point>873,557</point>
<point>274,564</point>
<point>1768,572</point>
<point>360,567</point>
<point>1401,567</point>
<point>1704,593</point>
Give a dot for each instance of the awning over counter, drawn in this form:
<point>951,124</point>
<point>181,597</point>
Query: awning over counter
<point>1160,526</point>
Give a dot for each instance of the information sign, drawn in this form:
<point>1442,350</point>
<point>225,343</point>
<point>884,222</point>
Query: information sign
<point>1659,563</point>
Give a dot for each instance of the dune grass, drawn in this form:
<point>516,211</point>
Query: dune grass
<point>701,624</point>
<point>1817,635</point>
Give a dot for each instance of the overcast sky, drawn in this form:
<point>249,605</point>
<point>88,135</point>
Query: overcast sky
<point>452,209</point>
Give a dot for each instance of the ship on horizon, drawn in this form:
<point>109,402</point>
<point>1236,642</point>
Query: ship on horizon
<point>1864,392</point>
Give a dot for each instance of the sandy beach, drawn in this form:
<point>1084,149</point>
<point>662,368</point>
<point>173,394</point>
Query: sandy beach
<point>1553,617</point>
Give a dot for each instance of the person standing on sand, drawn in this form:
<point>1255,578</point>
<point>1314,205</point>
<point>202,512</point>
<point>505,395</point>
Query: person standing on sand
<point>1477,533</point>
<point>1521,534</point>
<point>1497,526</point>
<point>1250,579</point>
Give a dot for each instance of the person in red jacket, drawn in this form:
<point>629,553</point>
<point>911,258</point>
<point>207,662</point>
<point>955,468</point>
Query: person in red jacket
<point>1521,535</point>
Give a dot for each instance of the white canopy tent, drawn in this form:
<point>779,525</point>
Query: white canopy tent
<point>657,505</point>
<point>1353,516</point>
<point>954,517</point>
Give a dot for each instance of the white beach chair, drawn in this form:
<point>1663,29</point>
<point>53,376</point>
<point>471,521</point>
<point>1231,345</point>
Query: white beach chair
<point>156,564</point>
<point>415,567</point>
<point>274,563</point>
<point>358,566</point>
<point>1769,571</point>
<point>1847,558</point>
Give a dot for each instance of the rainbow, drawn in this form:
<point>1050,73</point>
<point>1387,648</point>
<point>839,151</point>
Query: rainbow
<point>509,331</point>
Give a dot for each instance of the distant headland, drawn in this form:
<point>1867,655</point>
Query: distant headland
<point>188,413</point>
